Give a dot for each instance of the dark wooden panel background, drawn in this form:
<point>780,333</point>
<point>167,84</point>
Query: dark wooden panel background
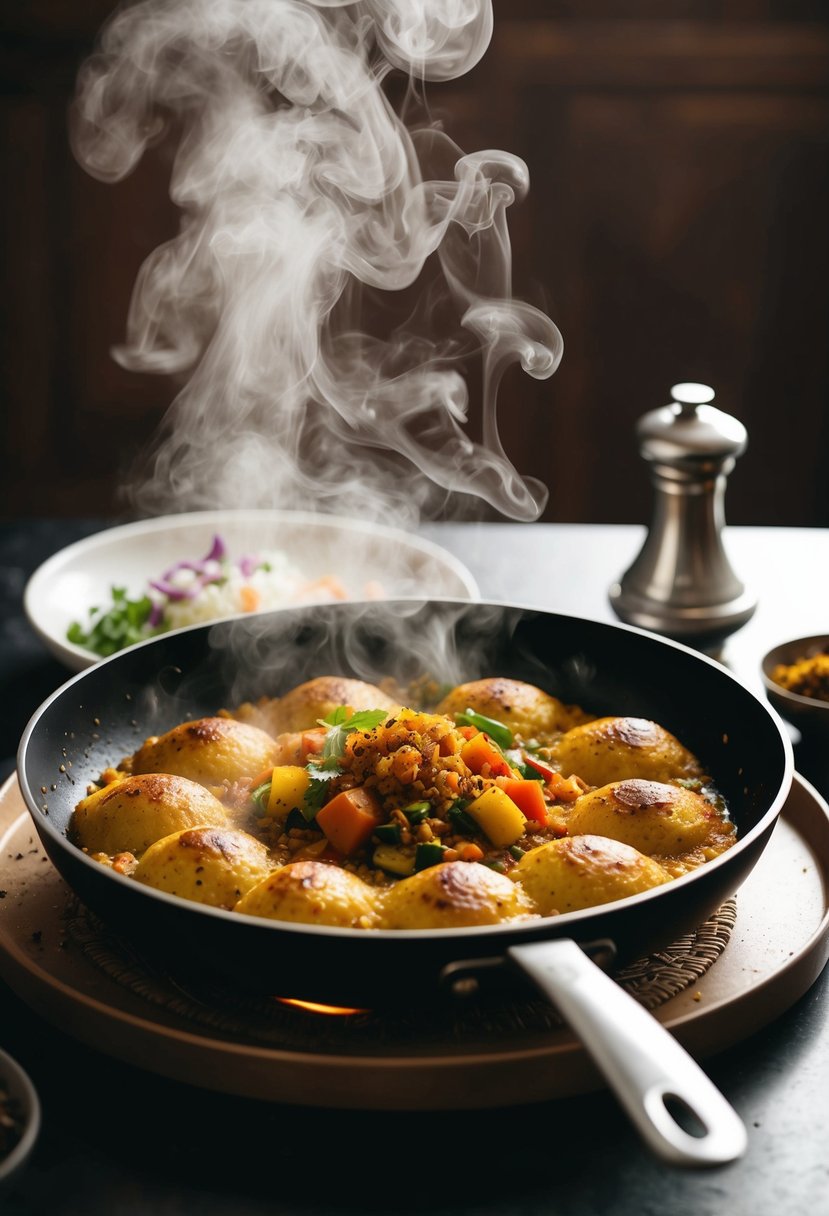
<point>677,228</point>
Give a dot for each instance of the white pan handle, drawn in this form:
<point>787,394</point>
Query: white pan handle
<point>644,1064</point>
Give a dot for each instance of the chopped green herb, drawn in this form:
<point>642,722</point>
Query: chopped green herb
<point>316,795</point>
<point>341,725</point>
<point>516,852</point>
<point>122,625</point>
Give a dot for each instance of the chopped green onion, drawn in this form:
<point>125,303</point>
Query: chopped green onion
<point>516,852</point>
<point>497,731</point>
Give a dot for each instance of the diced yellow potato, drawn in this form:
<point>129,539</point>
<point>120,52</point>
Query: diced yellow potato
<point>498,816</point>
<point>288,785</point>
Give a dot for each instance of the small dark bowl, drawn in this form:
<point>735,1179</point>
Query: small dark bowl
<point>22,1092</point>
<point>808,714</point>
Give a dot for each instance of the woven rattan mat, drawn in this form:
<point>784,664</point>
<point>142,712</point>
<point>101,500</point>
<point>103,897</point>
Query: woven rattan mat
<point>486,1020</point>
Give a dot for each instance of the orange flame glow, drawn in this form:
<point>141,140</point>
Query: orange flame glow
<point>314,1007</point>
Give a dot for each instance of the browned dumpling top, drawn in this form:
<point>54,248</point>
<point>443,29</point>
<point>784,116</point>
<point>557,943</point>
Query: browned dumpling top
<point>612,749</point>
<point>210,865</point>
<point>454,895</point>
<point>130,815</point>
<point>334,805</point>
<point>528,711</point>
<point>302,707</point>
<point>657,818</point>
<point>208,750</point>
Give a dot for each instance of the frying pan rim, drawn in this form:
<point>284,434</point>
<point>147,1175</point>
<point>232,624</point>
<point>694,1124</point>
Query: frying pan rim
<point>525,927</point>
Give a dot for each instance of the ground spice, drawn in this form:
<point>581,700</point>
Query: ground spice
<point>806,677</point>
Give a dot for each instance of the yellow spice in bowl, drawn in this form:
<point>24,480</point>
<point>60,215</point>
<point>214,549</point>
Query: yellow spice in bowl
<point>806,677</point>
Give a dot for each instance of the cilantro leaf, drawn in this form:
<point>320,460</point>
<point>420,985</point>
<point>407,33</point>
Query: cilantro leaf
<point>316,794</point>
<point>341,725</point>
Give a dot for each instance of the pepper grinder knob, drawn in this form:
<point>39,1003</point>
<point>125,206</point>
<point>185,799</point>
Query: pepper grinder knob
<point>682,584</point>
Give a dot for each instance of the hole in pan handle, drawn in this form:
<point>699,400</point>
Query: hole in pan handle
<point>680,1114</point>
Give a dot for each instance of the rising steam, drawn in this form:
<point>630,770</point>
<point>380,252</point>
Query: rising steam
<point>303,198</point>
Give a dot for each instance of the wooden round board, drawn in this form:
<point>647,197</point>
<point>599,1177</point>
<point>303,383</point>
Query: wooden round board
<point>776,951</point>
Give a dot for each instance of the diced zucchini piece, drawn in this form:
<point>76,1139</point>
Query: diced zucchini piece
<point>428,854</point>
<point>461,821</point>
<point>388,833</point>
<point>416,812</point>
<point>394,860</point>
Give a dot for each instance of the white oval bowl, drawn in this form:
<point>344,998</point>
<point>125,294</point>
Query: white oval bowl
<point>356,552</point>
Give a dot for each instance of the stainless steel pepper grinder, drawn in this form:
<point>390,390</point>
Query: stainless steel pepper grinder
<point>682,584</point>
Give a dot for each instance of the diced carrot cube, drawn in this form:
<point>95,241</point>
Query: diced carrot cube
<point>349,819</point>
<point>528,796</point>
<point>480,752</point>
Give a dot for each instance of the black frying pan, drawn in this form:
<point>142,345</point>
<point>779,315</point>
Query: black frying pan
<point>108,710</point>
